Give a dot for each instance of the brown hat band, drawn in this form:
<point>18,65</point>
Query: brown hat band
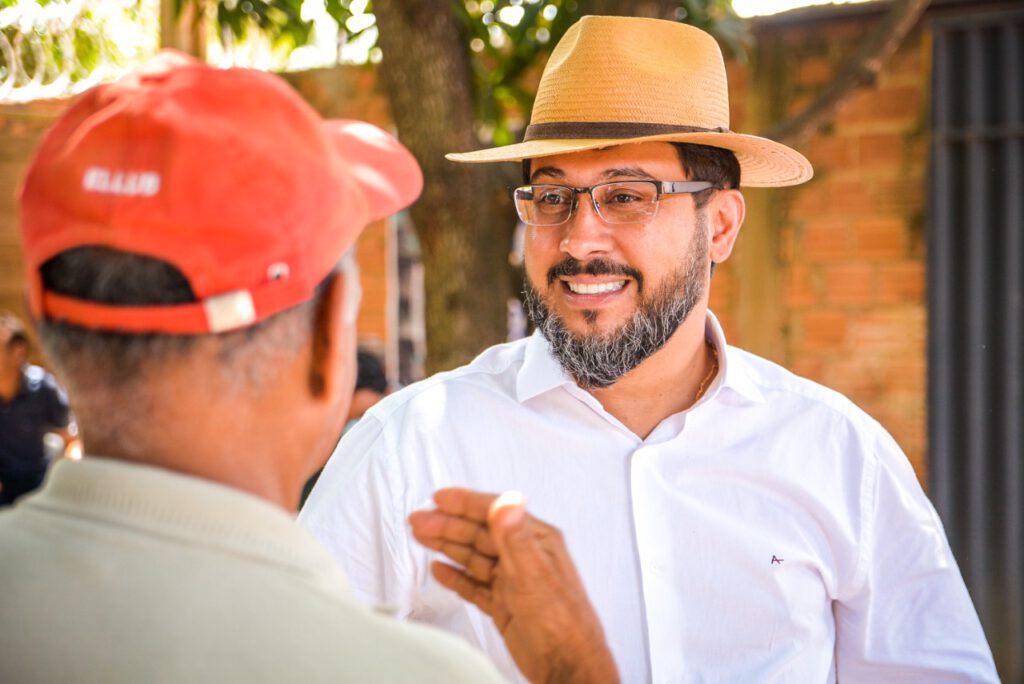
<point>570,130</point>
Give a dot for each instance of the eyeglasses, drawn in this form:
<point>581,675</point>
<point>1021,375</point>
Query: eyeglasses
<point>632,201</point>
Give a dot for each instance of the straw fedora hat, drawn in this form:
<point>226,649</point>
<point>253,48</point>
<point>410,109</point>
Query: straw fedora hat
<point>620,80</point>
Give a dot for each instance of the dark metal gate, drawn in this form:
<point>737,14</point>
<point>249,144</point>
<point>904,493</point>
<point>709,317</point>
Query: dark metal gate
<point>976,313</point>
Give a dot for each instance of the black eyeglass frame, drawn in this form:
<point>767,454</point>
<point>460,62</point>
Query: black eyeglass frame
<point>662,187</point>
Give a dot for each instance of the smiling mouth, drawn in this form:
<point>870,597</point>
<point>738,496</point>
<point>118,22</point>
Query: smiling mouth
<point>595,288</point>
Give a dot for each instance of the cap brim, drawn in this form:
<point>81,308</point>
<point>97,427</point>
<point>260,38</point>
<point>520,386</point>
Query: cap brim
<point>382,167</point>
<point>763,162</point>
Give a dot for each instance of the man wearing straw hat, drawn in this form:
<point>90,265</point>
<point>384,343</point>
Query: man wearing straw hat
<point>731,521</point>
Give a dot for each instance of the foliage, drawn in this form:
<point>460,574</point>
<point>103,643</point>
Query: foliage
<point>508,41</point>
<point>278,21</point>
<point>511,39</point>
<point>51,48</point>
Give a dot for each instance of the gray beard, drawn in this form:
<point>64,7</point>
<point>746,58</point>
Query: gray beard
<point>600,359</point>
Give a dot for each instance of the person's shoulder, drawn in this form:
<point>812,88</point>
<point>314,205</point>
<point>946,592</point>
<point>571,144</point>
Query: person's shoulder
<point>39,379</point>
<point>491,373</point>
<point>393,650</point>
<point>434,655</point>
<point>779,384</point>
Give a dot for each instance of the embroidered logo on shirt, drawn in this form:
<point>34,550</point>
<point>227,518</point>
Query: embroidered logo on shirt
<point>776,560</point>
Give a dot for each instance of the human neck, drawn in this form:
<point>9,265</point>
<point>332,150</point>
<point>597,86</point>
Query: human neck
<point>250,470</point>
<point>666,383</point>
<point>243,445</point>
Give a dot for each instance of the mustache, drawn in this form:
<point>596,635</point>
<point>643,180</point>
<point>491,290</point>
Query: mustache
<point>571,266</point>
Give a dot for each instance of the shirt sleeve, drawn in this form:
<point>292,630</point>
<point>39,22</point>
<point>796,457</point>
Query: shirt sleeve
<point>908,617</point>
<point>353,512</point>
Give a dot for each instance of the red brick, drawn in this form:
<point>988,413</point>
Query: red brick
<point>859,376</point>
<point>787,243</point>
<point>809,201</point>
<point>849,284</point>
<point>833,151</point>
<point>800,290</point>
<point>814,71</point>
<point>855,110</point>
<point>908,59</point>
<point>901,283</point>
<point>902,103</point>
<point>825,240</point>
<point>906,374</point>
<point>895,331</point>
<point>372,251</point>
<point>850,197</point>
<point>880,149</point>
<point>900,194</point>
<point>720,293</point>
<point>824,330</point>
<point>880,237</point>
<point>809,366</point>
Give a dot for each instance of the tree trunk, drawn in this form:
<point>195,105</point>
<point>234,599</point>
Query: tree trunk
<point>463,220</point>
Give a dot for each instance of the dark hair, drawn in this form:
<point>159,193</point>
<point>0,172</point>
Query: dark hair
<point>109,276</point>
<point>370,374</point>
<point>15,326</point>
<point>700,162</point>
<point>713,164</point>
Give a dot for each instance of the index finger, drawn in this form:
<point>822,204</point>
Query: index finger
<point>466,503</point>
<point>433,528</point>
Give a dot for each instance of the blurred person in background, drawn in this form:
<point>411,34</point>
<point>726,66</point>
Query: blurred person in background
<point>371,386</point>
<point>31,405</point>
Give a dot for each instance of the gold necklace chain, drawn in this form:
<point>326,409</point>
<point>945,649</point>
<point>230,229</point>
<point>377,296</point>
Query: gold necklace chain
<point>706,382</point>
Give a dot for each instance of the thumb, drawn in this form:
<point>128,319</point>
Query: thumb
<point>510,527</point>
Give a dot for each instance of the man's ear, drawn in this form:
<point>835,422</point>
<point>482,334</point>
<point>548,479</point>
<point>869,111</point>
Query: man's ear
<point>332,347</point>
<point>725,211</point>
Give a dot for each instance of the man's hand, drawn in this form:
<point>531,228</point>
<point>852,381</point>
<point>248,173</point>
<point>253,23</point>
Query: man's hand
<point>516,569</point>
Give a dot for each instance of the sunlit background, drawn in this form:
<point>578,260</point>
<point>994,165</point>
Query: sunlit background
<point>760,8</point>
<point>54,49</point>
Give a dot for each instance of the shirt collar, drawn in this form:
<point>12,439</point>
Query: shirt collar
<point>733,371</point>
<point>541,372</point>
<point>169,504</point>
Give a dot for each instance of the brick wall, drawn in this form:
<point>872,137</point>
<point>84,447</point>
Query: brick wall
<point>21,128</point>
<point>340,92</point>
<point>829,278</point>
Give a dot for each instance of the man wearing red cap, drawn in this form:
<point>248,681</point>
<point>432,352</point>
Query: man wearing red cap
<point>183,230</point>
<point>731,521</point>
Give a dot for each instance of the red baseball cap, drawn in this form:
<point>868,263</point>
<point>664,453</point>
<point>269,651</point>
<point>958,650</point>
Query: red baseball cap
<point>227,175</point>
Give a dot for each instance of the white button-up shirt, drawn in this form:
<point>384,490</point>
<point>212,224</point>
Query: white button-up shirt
<point>771,533</point>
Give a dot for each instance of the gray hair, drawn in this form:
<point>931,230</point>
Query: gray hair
<point>110,368</point>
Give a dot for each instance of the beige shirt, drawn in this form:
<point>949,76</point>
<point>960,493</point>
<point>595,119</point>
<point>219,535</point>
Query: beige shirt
<point>116,572</point>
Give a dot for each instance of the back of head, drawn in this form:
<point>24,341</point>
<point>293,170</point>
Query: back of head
<point>188,212</point>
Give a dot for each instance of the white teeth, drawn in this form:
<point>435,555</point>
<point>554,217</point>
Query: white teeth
<point>596,288</point>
